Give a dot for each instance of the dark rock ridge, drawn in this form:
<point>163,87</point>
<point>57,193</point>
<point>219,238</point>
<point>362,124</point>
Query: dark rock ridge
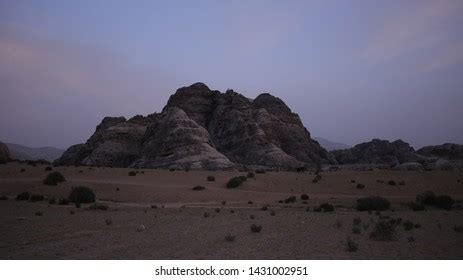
<point>201,128</point>
<point>447,151</point>
<point>4,153</point>
<point>378,152</point>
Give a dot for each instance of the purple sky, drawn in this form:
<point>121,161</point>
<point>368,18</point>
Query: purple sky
<point>353,70</point>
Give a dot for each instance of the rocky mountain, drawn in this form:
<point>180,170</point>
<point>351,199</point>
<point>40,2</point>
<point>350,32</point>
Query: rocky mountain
<point>378,152</point>
<point>4,153</point>
<point>26,153</point>
<point>331,146</point>
<point>201,128</point>
<point>446,151</point>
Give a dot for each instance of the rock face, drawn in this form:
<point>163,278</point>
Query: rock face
<point>203,129</point>
<point>4,153</point>
<point>377,152</point>
<point>446,151</point>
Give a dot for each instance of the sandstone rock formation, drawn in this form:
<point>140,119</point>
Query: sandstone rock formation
<point>203,129</point>
<point>378,152</point>
<point>4,153</point>
<point>446,151</point>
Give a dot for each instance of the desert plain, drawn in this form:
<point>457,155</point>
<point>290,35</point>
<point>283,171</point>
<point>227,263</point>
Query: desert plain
<point>157,215</point>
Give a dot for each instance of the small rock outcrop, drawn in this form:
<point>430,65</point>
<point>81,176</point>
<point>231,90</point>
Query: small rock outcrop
<point>201,128</point>
<point>377,152</point>
<point>4,153</point>
<point>447,151</point>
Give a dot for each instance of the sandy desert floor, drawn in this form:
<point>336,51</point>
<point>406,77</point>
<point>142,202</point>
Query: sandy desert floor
<point>178,229</point>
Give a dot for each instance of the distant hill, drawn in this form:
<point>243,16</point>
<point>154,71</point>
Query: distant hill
<point>330,146</point>
<point>27,153</point>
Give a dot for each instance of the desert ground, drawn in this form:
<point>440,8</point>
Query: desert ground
<point>157,215</point>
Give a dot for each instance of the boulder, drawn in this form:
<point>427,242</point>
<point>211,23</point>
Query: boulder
<point>447,151</point>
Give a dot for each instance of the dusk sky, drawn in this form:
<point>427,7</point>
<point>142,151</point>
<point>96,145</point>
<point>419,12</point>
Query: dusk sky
<point>352,70</point>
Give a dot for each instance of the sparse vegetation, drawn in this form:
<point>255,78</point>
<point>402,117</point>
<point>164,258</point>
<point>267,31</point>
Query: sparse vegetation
<point>23,196</point>
<point>217,210</point>
<point>416,206</point>
<point>304,197</point>
<point>132,173</point>
<point>429,198</point>
<point>391,183</point>
<point>39,213</point>
<point>250,202</point>
<point>384,231</point>
<point>210,178</point>
<point>63,201</point>
<point>48,168</point>
<point>408,225</point>
<point>198,188</point>
<point>260,171</point>
<point>255,228</point>
<point>206,214</point>
<point>360,186</point>
<point>23,170</point>
<point>264,208</point>
<point>3,197</point>
<point>290,199</point>
<point>108,222</point>
<point>327,207</point>
<point>458,229</point>
<point>82,194</point>
<point>36,197</point>
<point>54,179</point>
<point>351,246</point>
<point>230,238</point>
<point>372,203</point>
<point>52,200</point>
<point>251,175</point>
<point>236,182</point>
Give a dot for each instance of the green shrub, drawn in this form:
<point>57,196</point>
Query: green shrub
<point>82,194</point>
<point>54,178</point>
<point>444,202</point>
<point>63,201</point>
<point>198,188</point>
<point>236,182</point>
<point>428,198</point>
<point>290,199</point>
<point>384,231</point>
<point>416,206</point>
<point>326,207</point>
<point>408,225</point>
<point>255,228</point>
<point>211,178</point>
<point>23,196</point>
<point>351,246</point>
<point>230,238</point>
<point>36,197</point>
<point>372,203</point>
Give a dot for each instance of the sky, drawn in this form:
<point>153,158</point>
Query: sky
<point>352,70</point>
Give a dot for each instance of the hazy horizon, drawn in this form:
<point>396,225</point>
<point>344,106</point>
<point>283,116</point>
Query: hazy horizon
<point>353,71</point>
